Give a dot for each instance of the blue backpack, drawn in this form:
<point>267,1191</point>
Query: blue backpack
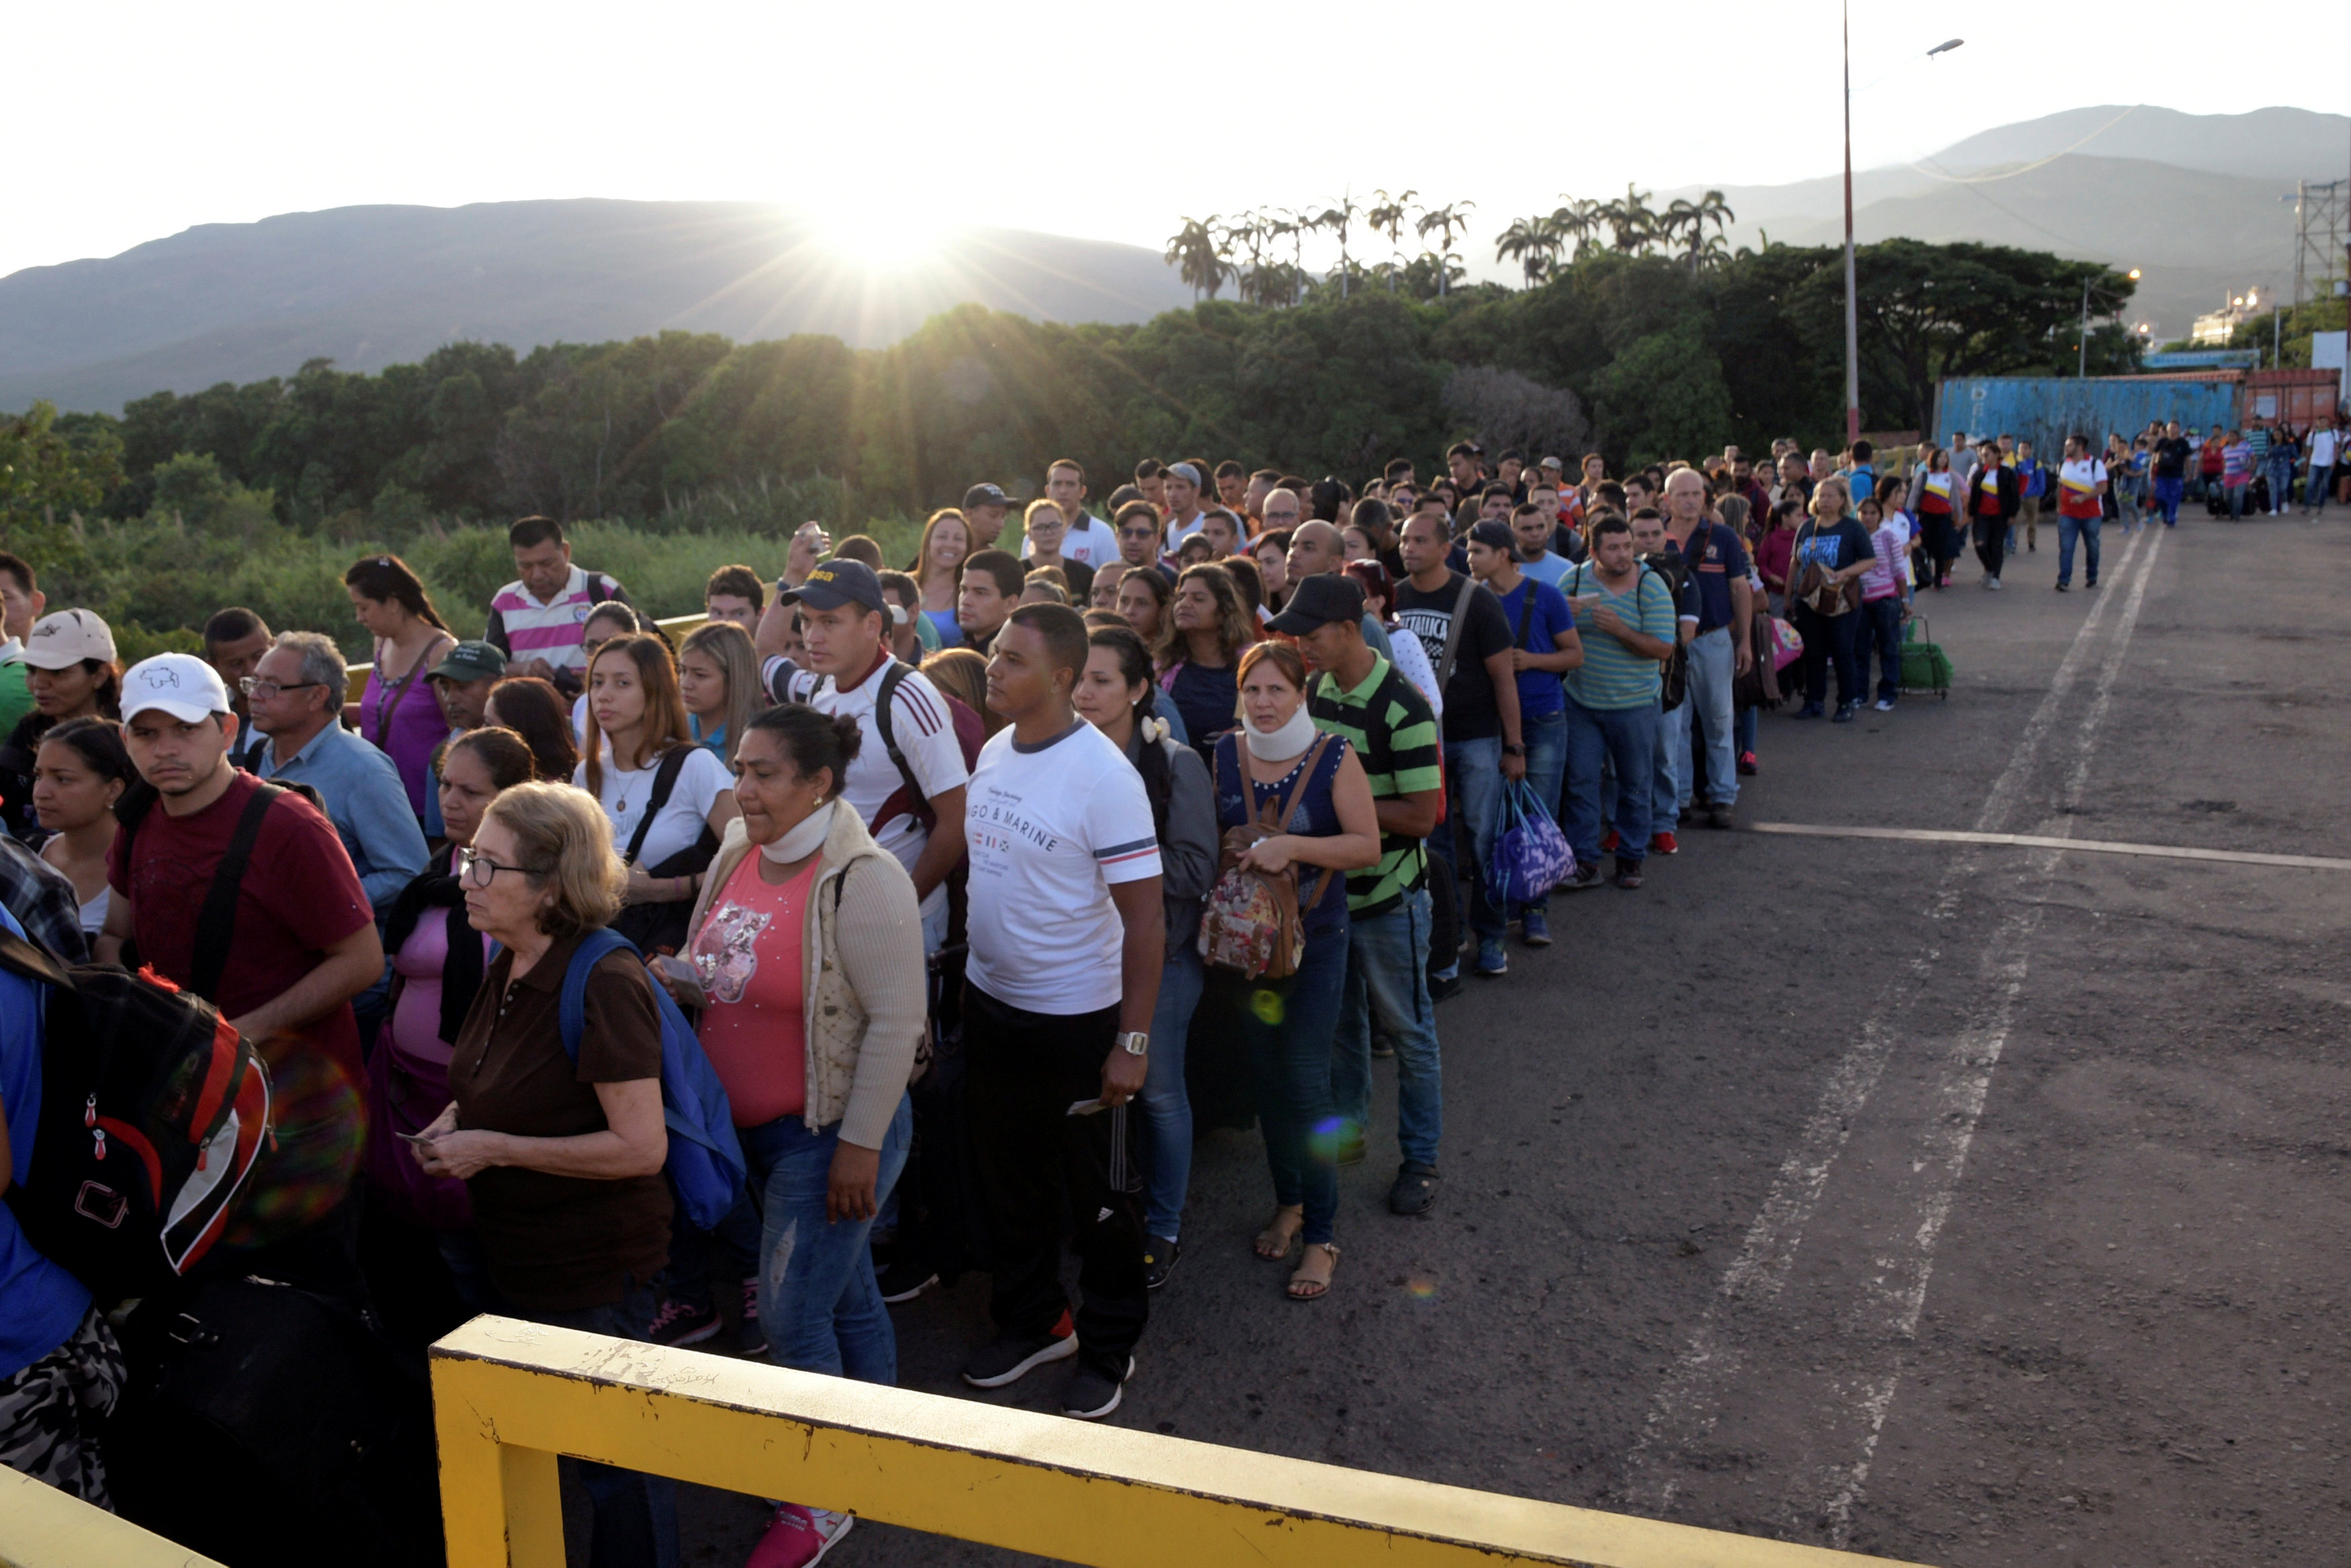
<point>705,1166</point>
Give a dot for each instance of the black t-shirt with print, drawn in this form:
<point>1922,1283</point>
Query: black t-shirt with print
<point>1470,711</point>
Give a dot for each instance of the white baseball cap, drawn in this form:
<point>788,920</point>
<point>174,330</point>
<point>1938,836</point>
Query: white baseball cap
<point>181,684</point>
<point>62,640</point>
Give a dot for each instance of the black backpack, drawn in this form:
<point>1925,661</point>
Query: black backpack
<point>153,1113</point>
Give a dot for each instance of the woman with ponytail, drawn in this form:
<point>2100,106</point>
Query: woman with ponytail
<point>1115,693</point>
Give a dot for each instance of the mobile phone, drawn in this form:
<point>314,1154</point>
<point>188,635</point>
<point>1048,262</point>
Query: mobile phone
<point>685,979</point>
<point>1086,1107</point>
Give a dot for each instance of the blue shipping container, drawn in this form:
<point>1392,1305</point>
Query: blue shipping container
<point>2046,410</point>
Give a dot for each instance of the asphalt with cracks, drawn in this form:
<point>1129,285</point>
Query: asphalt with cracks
<point>1970,1204</point>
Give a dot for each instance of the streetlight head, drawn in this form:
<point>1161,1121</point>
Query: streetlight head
<point>1945,47</point>
<point>2133,275</point>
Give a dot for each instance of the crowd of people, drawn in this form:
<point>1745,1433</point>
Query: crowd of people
<point>950,871</point>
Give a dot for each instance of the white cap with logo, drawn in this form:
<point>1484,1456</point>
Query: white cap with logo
<point>181,684</point>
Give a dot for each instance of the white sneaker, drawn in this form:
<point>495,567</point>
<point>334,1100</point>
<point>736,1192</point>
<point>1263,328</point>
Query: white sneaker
<point>1992,583</point>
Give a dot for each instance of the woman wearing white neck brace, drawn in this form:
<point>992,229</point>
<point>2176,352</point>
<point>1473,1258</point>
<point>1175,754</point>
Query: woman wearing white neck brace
<point>1332,828</point>
<point>807,960</point>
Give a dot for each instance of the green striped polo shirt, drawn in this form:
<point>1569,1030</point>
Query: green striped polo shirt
<point>1393,731</point>
<point>1612,677</point>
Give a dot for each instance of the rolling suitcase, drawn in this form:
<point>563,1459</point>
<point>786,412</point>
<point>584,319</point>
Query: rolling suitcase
<point>1925,666</point>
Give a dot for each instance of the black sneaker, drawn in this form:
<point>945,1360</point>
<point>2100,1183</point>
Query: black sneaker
<point>1441,988</point>
<point>1160,1256</point>
<point>903,1281</point>
<point>1093,1393</point>
<point>1009,1360</point>
<point>679,1323</point>
<point>1587,877</point>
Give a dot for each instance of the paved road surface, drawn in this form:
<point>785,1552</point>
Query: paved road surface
<point>1981,1206</point>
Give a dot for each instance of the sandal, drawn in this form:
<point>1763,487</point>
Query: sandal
<point>1305,1286</point>
<point>1274,1241</point>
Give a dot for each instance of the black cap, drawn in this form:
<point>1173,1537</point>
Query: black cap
<point>987,496</point>
<point>838,582</point>
<point>1322,598</point>
<point>1494,534</point>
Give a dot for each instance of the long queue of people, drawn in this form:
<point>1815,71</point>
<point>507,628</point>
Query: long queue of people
<point>988,883</point>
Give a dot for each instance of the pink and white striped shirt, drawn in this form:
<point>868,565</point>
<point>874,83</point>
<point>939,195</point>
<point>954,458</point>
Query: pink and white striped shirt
<point>524,628</point>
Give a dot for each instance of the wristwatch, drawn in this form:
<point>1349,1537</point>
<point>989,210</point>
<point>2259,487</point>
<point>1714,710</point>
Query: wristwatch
<point>1134,1041</point>
<point>1514,751</point>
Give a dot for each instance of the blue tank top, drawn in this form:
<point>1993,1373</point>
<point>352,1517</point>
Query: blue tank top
<point>1313,815</point>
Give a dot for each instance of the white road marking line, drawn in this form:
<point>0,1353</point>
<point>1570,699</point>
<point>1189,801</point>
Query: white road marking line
<point>1946,1138</point>
<point>2052,841</point>
<point>1688,1401</point>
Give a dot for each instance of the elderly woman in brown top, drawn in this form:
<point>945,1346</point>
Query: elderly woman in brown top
<point>562,1160</point>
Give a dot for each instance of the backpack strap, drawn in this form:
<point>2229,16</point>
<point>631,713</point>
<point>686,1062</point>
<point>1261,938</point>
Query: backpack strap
<point>1526,610</point>
<point>665,784</point>
<point>31,960</point>
<point>216,921</point>
<point>572,1007</point>
<point>898,671</point>
<point>1453,632</point>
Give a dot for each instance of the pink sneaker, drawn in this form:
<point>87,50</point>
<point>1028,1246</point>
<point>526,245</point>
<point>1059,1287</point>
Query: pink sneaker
<point>799,1537</point>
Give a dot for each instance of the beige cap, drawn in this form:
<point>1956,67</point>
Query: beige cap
<point>62,640</point>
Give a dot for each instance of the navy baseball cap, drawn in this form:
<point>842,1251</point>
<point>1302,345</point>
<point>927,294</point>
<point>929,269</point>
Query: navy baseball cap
<point>839,582</point>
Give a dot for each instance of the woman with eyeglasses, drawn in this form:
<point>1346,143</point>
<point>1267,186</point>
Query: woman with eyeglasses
<point>561,1159</point>
<point>397,711</point>
<point>437,962</point>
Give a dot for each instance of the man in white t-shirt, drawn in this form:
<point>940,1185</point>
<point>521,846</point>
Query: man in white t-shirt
<point>845,621</point>
<point>1067,938</point>
<point>2080,508</point>
<point>1091,542</point>
<point>1183,485</point>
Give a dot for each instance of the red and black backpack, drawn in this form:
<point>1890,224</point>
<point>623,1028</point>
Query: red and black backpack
<point>154,1112</point>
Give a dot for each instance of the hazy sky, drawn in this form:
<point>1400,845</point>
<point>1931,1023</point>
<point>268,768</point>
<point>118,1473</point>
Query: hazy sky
<point>136,120</point>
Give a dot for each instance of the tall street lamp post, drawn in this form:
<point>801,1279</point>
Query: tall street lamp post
<point>1852,316</point>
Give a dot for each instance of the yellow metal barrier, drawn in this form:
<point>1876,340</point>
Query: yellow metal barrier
<point>679,627</point>
<point>41,1527</point>
<point>509,1396</point>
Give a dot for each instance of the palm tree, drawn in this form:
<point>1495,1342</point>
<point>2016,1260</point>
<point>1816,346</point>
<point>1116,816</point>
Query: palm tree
<point>1443,220</point>
<point>1194,249</point>
<point>1534,241</point>
<point>1248,229</point>
<point>1280,224</point>
<point>1578,218</point>
<point>1633,227</point>
<point>1387,218</point>
<point>1338,220</point>
<point>1709,209</point>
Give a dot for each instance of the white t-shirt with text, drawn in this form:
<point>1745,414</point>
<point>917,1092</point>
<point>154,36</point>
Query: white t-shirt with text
<point>1051,829</point>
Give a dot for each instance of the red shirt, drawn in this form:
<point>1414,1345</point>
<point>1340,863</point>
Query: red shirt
<point>750,954</point>
<point>299,896</point>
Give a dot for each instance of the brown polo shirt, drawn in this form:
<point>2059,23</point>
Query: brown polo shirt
<point>559,1244</point>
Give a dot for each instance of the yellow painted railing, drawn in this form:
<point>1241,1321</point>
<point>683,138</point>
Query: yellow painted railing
<point>41,1527</point>
<point>509,1396</point>
<point>679,627</point>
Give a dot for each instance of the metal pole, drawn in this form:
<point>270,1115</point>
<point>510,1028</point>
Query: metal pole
<point>1851,320</point>
<point>2082,361</point>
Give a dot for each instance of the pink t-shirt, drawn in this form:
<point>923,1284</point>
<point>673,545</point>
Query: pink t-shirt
<point>748,954</point>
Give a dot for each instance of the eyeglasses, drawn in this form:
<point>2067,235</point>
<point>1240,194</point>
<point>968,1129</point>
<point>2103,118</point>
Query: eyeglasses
<point>477,870</point>
<point>268,691</point>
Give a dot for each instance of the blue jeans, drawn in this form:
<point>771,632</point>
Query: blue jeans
<point>1546,770</point>
<point>2235,496</point>
<point>1387,989</point>
<point>2319,487</point>
<point>2168,493</point>
<point>1287,1025</point>
<point>1473,772</point>
<point>2087,528</point>
<point>1881,626</point>
<point>820,1305</point>
<point>2280,480</point>
<point>1628,737</point>
<point>1166,1108</point>
<point>1706,703</point>
<point>691,1251</point>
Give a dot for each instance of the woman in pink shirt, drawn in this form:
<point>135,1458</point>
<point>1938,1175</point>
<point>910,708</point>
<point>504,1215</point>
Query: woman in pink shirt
<point>397,711</point>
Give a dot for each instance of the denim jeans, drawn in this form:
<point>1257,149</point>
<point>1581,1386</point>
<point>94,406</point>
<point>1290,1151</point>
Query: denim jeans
<point>1473,773</point>
<point>2280,480</point>
<point>1628,737</point>
<point>1546,770</point>
<point>1882,629</point>
<point>2235,494</point>
<point>2168,493</point>
<point>1166,1108</point>
<point>1387,989</point>
<point>820,1305</point>
<point>2087,528</point>
<point>2319,488</point>
<point>1288,1025</point>
<point>692,1250</point>
<point>1707,702</point>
